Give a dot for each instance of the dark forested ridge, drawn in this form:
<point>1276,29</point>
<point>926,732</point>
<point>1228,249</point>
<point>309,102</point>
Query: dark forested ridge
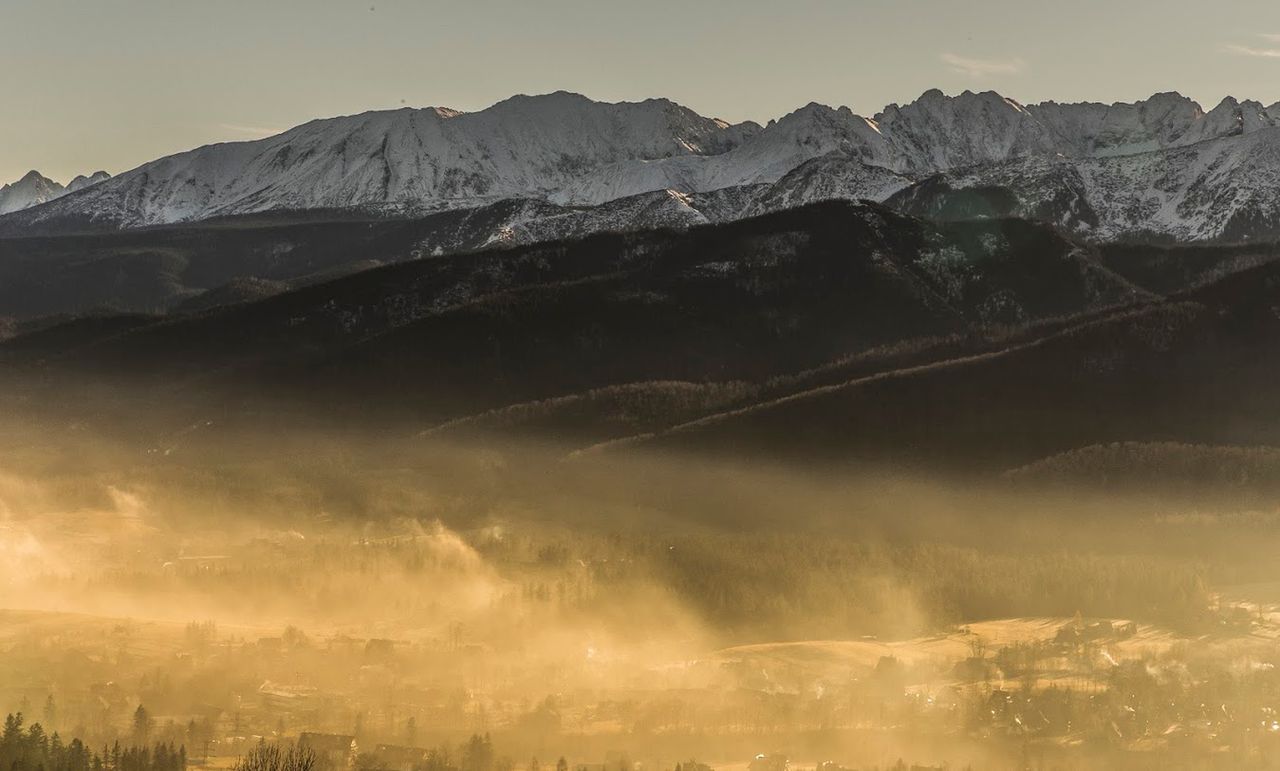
<point>161,269</point>
<point>834,330</point>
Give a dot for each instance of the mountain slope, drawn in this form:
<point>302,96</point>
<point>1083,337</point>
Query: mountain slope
<point>1195,368</point>
<point>158,269</point>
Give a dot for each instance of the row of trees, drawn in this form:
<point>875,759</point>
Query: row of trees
<point>31,749</point>
<point>475,754</point>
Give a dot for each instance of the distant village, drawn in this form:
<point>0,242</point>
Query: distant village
<point>380,704</point>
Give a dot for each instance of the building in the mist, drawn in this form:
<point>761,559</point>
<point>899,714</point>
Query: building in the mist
<point>281,697</point>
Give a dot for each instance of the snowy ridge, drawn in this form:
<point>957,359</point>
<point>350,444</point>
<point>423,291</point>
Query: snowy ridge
<point>429,159</point>
<point>1228,188</point>
<point>1162,166</point>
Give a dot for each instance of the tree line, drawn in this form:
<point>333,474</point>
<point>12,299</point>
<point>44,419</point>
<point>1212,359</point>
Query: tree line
<point>30,748</point>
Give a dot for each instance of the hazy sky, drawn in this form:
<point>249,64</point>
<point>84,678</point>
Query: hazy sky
<point>90,84</point>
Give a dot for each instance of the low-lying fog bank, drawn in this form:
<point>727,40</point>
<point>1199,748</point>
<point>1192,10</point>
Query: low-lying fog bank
<point>621,607</point>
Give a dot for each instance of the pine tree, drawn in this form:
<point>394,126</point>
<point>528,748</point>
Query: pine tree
<point>50,713</point>
<point>141,725</point>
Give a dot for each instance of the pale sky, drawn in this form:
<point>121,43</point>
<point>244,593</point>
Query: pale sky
<point>110,84</point>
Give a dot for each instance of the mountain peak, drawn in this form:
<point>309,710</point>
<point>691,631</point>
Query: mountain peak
<point>32,190</point>
<point>82,181</point>
<point>555,98</point>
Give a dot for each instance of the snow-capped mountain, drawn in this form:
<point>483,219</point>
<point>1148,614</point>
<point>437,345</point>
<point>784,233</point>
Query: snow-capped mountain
<point>421,159</point>
<point>35,189</point>
<point>1162,166</point>
<point>32,190</point>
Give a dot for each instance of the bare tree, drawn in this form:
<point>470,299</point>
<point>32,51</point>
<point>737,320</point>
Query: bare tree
<point>271,757</point>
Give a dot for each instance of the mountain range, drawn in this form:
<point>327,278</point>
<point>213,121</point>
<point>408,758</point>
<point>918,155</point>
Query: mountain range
<point>1159,169</point>
<point>962,282</point>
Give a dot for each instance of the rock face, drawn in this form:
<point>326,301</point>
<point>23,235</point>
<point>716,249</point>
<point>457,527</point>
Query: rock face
<point>1163,167</point>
